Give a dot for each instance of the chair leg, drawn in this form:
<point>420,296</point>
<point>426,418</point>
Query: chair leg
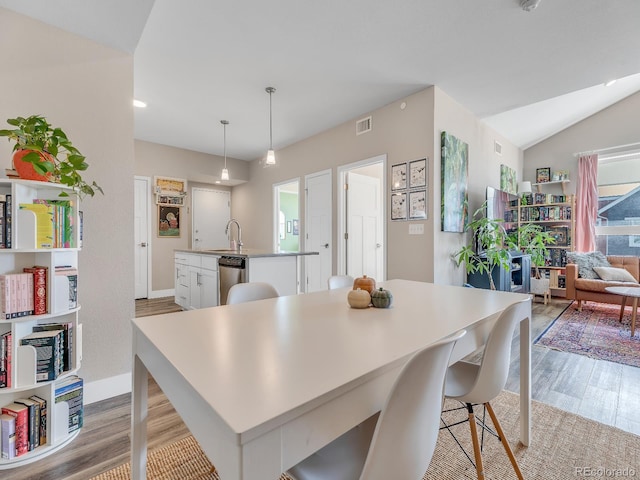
<point>476,444</point>
<point>504,441</point>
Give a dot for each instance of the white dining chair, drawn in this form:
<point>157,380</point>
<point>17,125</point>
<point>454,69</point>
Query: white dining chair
<point>340,281</point>
<point>474,384</point>
<point>250,291</point>
<point>400,442</point>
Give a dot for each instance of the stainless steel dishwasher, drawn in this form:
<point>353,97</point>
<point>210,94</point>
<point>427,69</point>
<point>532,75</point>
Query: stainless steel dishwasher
<point>232,270</point>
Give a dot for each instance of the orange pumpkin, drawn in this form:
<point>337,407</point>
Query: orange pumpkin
<point>365,283</point>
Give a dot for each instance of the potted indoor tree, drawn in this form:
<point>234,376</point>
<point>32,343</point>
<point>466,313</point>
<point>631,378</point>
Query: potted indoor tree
<point>532,239</point>
<point>489,247</point>
<point>43,152</point>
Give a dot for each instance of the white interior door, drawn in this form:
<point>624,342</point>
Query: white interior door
<point>318,224</point>
<point>141,236</point>
<point>364,226</point>
<point>211,210</point>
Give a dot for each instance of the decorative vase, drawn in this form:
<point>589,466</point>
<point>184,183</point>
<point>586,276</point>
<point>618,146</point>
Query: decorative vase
<point>25,169</point>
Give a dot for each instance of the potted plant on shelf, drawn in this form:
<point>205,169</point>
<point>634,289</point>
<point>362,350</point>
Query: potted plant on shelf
<point>489,246</point>
<point>44,153</point>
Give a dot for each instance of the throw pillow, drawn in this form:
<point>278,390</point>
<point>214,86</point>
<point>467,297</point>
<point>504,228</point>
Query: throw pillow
<point>612,274</point>
<point>586,261</point>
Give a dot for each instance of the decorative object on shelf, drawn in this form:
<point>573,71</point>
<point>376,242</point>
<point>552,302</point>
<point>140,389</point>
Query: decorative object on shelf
<point>271,155</point>
<point>50,153</point>
<point>543,175</point>
<point>399,206</point>
<point>168,221</point>
<point>381,298</point>
<point>489,247</point>
<point>365,283</point>
<point>560,176</point>
<point>507,179</point>
<point>359,298</point>
<point>224,175</point>
<point>418,204</point>
<point>454,200</point>
<point>170,191</point>
<point>399,176</point>
<point>418,173</point>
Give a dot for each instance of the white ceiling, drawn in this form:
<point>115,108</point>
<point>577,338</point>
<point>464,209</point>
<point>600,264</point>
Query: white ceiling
<point>528,74</point>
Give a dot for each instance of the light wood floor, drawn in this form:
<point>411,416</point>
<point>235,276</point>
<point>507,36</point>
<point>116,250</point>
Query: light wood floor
<point>604,391</point>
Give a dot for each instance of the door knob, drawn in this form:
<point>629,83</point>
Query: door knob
<point>378,245</point>
<point>326,245</point>
<point>143,244</point>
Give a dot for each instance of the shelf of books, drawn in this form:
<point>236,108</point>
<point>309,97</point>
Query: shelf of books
<point>555,213</point>
<point>41,404</point>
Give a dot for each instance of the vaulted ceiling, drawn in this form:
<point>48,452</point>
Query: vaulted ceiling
<point>196,62</point>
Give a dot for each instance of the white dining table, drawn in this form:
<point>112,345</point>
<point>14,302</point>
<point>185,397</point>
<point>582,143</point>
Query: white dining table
<point>262,385</point>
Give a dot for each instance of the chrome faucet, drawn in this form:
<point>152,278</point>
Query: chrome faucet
<point>226,232</point>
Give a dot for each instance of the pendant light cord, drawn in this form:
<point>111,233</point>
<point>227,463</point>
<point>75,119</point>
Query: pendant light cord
<point>270,122</point>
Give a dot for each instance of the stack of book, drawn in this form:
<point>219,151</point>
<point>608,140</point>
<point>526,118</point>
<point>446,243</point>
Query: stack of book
<point>23,426</point>
<point>54,222</point>
<point>16,295</point>
<point>70,390</point>
<point>6,360</point>
<point>49,351</point>
<point>5,221</point>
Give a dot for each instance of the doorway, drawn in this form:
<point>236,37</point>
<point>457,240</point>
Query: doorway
<point>141,235</point>
<point>361,218</point>
<point>286,211</point>
<point>318,230</point>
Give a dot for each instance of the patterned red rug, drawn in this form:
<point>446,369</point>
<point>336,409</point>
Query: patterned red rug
<point>595,332</point>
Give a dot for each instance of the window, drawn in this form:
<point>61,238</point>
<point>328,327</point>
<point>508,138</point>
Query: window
<point>618,223</point>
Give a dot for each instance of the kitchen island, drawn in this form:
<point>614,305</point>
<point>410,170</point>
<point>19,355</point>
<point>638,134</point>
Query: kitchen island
<point>201,282</point>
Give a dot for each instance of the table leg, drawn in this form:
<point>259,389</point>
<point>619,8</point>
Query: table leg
<point>634,314</point>
<point>624,303</point>
<point>139,420</point>
<point>525,379</point>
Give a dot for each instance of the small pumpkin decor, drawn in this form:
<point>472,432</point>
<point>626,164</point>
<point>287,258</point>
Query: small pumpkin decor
<point>365,283</point>
<point>381,298</point>
<point>359,298</point>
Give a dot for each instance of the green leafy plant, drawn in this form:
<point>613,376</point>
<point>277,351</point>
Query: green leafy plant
<point>532,239</point>
<point>61,159</point>
<point>489,246</point>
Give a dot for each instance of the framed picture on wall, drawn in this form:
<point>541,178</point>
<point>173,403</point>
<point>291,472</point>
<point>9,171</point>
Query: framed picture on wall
<point>418,204</point>
<point>168,221</point>
<point>399,176</point>
<point>399,206</point>
<point>418,173</point>
<point>543,175</point>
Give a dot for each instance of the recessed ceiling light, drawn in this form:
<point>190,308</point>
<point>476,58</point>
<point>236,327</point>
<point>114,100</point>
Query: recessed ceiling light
<point>139,103</point>
<point>610,82</point>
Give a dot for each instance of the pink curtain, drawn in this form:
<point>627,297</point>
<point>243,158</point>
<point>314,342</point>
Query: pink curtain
<point>586,203</point>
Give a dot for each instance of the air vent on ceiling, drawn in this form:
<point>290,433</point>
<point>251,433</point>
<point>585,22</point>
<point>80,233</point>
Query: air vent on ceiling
<point>363,125</point>
<point>498,148</point>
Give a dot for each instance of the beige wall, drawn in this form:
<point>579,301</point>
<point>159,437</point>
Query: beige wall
<point>616,125</point>
<point>401,134</point>
<point>86,89</point>
<point>484,170</point>
<point>201,170</point>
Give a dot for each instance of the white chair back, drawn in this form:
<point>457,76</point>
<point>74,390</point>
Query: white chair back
<point>248,292</point>
<point>340,281</point>
<point>407,430</point>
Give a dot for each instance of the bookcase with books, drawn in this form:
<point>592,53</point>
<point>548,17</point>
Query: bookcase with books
<point>556,215</point>
<point>41,405</point>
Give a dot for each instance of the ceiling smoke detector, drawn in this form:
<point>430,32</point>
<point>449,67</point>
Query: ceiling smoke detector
<point>528,5</point>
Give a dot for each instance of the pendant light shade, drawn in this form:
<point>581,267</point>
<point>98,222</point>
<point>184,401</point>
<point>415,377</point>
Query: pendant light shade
<point>271,155</point>
<point>225,173</point>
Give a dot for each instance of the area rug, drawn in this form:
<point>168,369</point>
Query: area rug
<point>563,446</point>
<point>596,332</point>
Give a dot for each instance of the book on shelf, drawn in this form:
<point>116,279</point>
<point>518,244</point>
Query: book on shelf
<point>70,390</point>
<point>3,210</point>
<point>34,420</point>
<point>44,223</point>
<point>48,345</point>
<point>16,295</point>
<point>6,346</point>
<point>55,222</point>
<point>67,340</point>
<point>39,288</point>
<point>8,436</point>
<point>21,415</point>
<point>42,419</point>
<point>8,218</point>
<point>71,275</point>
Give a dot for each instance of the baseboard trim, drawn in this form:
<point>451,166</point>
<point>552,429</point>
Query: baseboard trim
<point>107,388</point>
<point>162,293</point>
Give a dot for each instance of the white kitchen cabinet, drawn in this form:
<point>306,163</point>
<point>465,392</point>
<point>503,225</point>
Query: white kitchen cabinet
<point>196,280</point>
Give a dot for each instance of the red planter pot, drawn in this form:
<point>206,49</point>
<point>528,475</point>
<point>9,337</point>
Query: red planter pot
<point>25,169</point>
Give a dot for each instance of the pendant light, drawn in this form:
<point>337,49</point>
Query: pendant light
<point>225,173</point>
<point>271,155</point>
